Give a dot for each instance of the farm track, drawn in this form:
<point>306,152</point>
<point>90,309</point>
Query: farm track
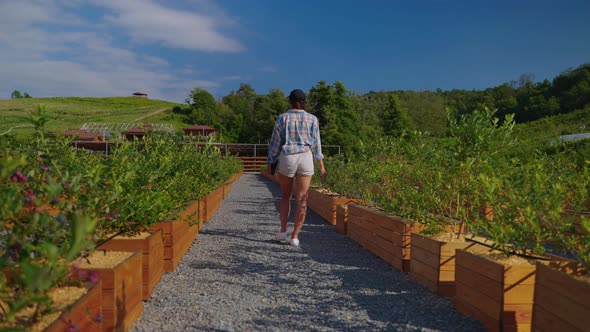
<point>150,115</point>
<point>235,277</point>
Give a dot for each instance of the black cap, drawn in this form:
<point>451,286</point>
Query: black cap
<point>296,95</point>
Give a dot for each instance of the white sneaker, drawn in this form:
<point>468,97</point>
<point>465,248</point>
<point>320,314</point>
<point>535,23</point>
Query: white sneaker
<point>294,242</point>
<point>281,236</point>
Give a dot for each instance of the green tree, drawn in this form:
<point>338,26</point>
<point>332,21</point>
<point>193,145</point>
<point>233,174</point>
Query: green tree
<point>241,102</point>
<point>395,118</point>
<point>203,108</point>
<point>266,110</point>
<point>15,94</point>
<point>339,123</point>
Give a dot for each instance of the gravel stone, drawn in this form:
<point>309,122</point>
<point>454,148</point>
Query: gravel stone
<point>236,277</point>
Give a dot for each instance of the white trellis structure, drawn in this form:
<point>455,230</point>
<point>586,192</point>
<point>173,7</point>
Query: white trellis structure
<point>109,128</point>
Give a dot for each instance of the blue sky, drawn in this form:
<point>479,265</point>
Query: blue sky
<point>52,48</point>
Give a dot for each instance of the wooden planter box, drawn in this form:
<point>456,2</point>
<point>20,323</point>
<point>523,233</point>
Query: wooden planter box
<point>498,294</point>
<point>342,219</point>
<point>178,235</point>
<point>213,202</point>
<point>152,249</point>
<point>121,289</point>
<point>325,204</point>
<point>202,215</point>
<point>562,299</point>
<point>433,262</point>
<point>85,313</point>
<point>386,236</point>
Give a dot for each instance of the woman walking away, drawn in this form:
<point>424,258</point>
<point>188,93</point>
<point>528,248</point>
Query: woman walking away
<point>295,143</point>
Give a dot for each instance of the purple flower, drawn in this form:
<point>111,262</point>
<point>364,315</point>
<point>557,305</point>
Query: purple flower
<point>18,176</point>
<point>72,328</point>
<point>46,168</point>
<point>93,277</point>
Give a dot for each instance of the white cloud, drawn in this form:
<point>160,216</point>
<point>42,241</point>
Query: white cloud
<point>48,51</point>
<point>147,21</point>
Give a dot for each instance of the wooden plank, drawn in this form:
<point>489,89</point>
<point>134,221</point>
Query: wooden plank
<point>393,237</point>
<point>475,298</point>
<point>130,285</point>
<point>425,271</point>
<point>577,291</point>
<point>342,219</point>
<point>109,320</point>
<point>481,282</point>
<point>81,313</point>
<point>569,311</point>
<point>385,255</point>
<point>131,317</point>
<point>388,246</point>
<point>426,243</point>
<point>493,270</point>
<point>491,324</point>
<point>393,223</point>
<point>425,256</point>
<point>369,226</point>
<point>361,232</point>
<point>550,320</point>
<point>108,299</point>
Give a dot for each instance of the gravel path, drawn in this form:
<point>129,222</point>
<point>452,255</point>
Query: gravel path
<point>235,277</point>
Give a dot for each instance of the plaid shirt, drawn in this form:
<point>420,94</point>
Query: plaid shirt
<point>295,131</point>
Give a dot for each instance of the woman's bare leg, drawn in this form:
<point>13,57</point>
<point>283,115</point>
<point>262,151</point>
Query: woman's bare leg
<point>303,183</point>
<point>286,193</point>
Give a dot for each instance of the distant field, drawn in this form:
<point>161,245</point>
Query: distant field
<point>72,112</point>
<point>549,128</point>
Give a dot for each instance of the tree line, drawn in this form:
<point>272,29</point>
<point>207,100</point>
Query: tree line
<point>18,95</point>
<point>352,119</point>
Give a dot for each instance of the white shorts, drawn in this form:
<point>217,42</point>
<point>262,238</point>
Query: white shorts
<point>296,164</point>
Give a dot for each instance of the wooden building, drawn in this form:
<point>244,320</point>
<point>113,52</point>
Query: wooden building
<point>199,130</point>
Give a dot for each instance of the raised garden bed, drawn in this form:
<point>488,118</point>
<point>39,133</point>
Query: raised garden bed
<point>151,246</point>
<point>386,236</point>
<point>342,219</point>
<point>325,203</point>
<point>120,275</point>
<point>433,261</point>
<point>562,298</point>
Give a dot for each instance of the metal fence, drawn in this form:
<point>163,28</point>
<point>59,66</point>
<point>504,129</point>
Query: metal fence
<point>244,150</point>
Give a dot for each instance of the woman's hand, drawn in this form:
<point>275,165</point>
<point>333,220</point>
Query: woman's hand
<point>322,169</point>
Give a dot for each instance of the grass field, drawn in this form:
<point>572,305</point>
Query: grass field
<point>73,112</point>
<point>549,128</point>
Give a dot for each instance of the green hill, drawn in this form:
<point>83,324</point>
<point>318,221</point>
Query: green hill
<point>72,112</point>
<point>549,128</point>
